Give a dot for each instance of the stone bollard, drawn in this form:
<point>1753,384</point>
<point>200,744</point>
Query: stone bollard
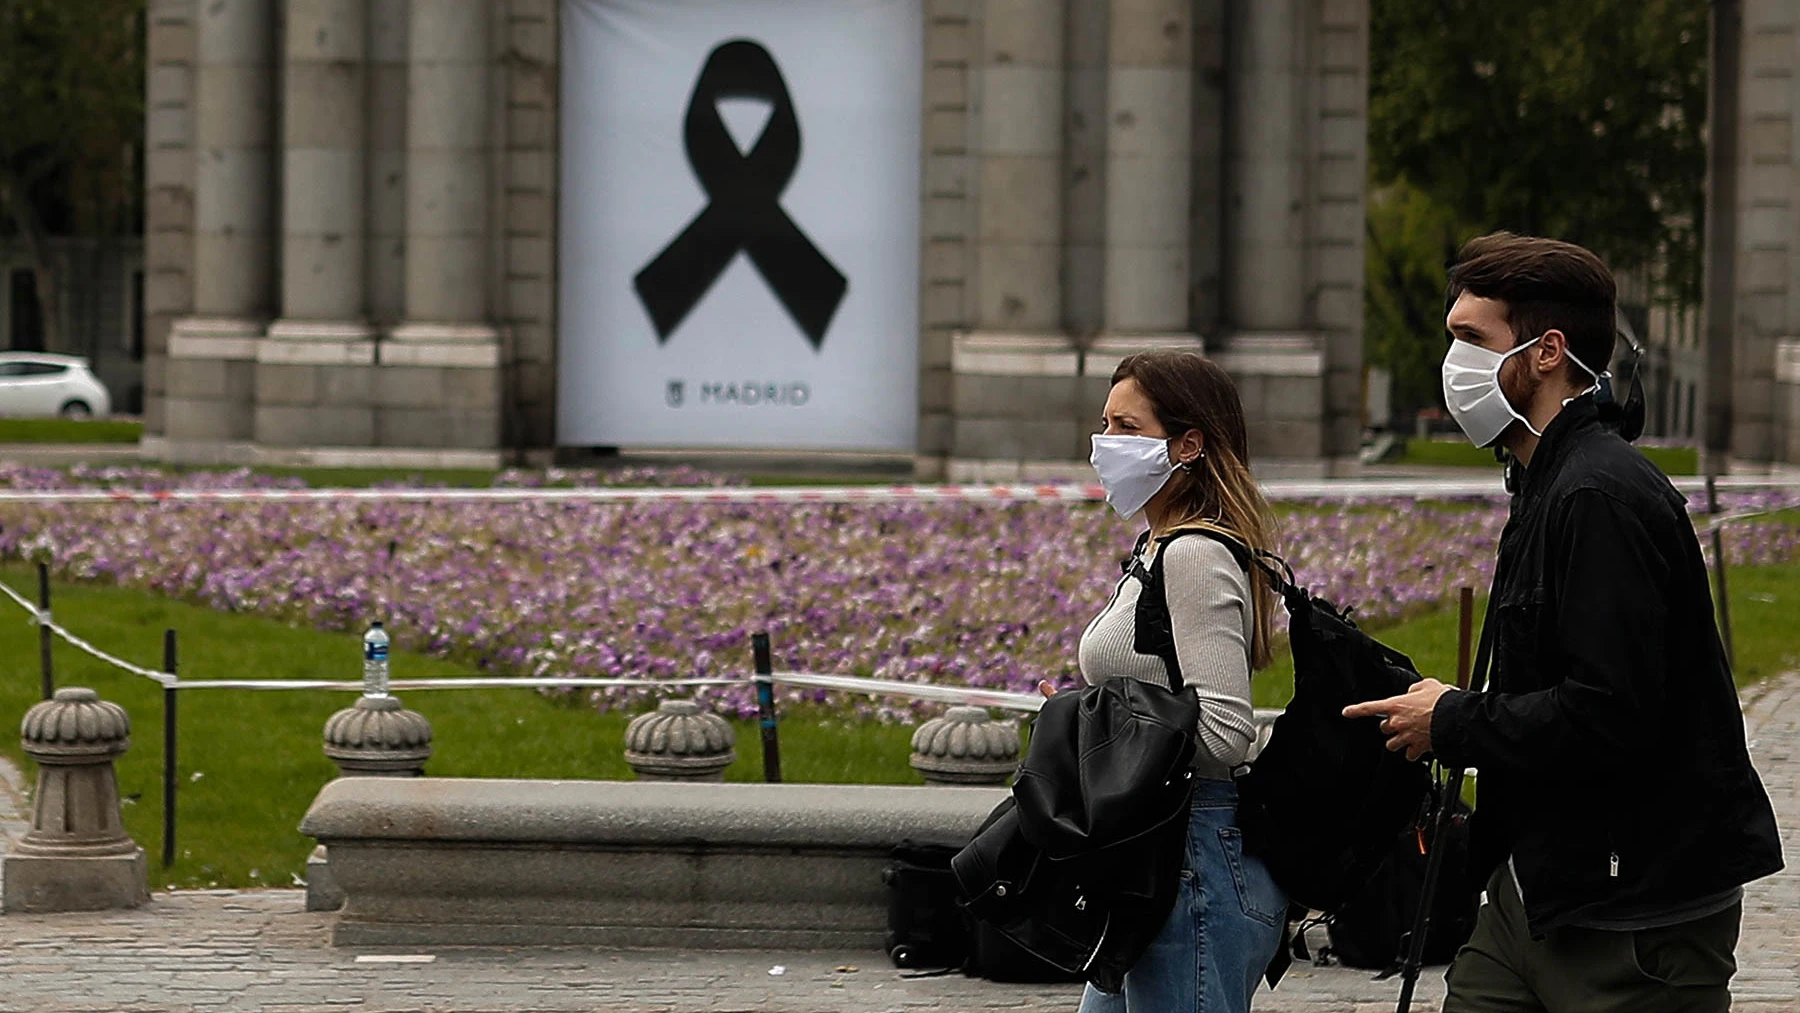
<point>680,741</point>
<point>77,855</point>
<point>966,746</point>
<point>377,737</point>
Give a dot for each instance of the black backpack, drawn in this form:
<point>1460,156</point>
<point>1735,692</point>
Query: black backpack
<point>1324,800</point>
<point>929,930</point>
<point>1370,929</point>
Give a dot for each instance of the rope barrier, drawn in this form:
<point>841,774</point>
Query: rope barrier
<point>920,691</point>
<point>472,682</point>
<point>1278,489</point>
<point>42,618</point>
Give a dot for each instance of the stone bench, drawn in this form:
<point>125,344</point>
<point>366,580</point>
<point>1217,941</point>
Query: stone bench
<point>444,861</point>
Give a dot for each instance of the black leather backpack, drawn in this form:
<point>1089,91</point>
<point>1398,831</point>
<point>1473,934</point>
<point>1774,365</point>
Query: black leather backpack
<point>1324,800</point>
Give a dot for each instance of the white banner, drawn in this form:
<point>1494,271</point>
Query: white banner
<point>740,223</point>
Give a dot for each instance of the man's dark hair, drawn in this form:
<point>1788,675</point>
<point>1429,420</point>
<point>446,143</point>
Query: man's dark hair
<point>1546,284</point>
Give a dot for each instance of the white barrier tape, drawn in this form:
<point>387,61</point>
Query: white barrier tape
<point>1030,702</point>
<point>1278,489</point>
<point>473,682</point>
<point>804,494</point>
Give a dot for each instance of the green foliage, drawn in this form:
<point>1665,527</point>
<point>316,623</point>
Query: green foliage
<point>1582,121</point>
<point>71,97</point>
<point>1410,239</point>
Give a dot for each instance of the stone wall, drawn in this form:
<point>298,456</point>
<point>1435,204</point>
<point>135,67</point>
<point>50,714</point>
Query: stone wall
<point>1140,174</point>
<point>434,862</point>
<point>371,185</point>
<point>328,281</point>
<point>1763,428</point>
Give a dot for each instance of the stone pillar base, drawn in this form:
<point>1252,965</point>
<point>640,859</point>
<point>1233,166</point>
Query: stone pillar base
<point>314,385</point>
<point>1787,403</point>
<point>438,385</point>
<point>322,891</point>
<point>1013,397</point>
<point>1281,378</point>
<point>41,884</point>
<point>210,381</point>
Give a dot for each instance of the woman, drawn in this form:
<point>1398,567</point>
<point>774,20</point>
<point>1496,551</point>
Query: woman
<point>1175,450</point>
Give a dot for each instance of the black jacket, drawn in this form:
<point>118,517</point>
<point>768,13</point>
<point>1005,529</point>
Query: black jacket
<point>1610,741</point>
<point>1081,865</point>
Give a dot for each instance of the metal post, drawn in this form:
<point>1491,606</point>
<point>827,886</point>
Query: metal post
<point>765,707</point>
<point>1718,554</point>
<point>44,635</point>
<point>169,752</point>
<point>1721,240</point>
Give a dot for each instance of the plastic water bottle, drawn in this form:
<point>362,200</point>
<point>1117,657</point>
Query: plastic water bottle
<point>375,661</point>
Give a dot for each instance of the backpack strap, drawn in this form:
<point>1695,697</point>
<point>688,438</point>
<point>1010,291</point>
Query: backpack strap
<point>1484,651</point>
<point>1155,634</point>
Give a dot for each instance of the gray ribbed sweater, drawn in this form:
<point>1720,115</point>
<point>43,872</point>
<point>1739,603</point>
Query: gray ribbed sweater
<point>1213,622</point>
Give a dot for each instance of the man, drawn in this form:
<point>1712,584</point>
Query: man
<point>1618,809</point>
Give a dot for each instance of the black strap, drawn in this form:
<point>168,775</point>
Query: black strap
<point>1485,649</point>
<point>1413,943</point>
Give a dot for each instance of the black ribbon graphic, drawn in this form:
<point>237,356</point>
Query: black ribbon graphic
<point>743,212</point>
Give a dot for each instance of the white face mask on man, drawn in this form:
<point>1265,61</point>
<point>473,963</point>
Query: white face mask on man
<point>1473,394</point>
<point>1132,469</point>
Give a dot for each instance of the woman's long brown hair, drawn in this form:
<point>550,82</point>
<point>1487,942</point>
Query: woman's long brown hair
<point>1188,391</point>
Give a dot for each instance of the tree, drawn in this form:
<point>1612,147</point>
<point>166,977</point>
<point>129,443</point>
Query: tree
<point>1582,121</point>
<point>1410,237</point>
<point>71,101</point>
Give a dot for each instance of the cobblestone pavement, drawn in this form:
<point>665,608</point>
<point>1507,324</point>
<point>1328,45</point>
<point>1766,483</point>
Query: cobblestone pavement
<point>260,950</point>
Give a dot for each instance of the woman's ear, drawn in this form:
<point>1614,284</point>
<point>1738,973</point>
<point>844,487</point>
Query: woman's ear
<point>1188,448</point>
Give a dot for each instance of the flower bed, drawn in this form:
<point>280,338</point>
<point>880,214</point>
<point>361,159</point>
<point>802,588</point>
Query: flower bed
<point>987,595</point>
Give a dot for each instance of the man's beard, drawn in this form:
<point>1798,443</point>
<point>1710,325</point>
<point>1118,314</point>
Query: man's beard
<point>1519,385</point>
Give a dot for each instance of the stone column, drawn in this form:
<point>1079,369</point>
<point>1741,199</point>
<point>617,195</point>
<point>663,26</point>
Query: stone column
<point>1270,343</point>
<point>77,855</point>
<point>1013,370</point>
<point>1265,167</point>
<point>440,378</point>
<point>1767,270</point>
<point>1133,123</point>
<point>314,371</point>
<point>386,162</point>
<point>210,379</point>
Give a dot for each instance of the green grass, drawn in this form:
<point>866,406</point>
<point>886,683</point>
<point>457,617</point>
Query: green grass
<point>1462,454</point>
<point>250,761</point>
<point>1763,603</point>
<point>69,431</point>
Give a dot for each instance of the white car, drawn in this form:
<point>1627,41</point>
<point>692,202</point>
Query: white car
<point>42,384</point>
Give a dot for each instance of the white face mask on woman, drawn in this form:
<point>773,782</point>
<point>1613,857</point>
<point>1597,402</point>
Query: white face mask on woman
<point>1473,394</point>
<point>1132,469</point>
